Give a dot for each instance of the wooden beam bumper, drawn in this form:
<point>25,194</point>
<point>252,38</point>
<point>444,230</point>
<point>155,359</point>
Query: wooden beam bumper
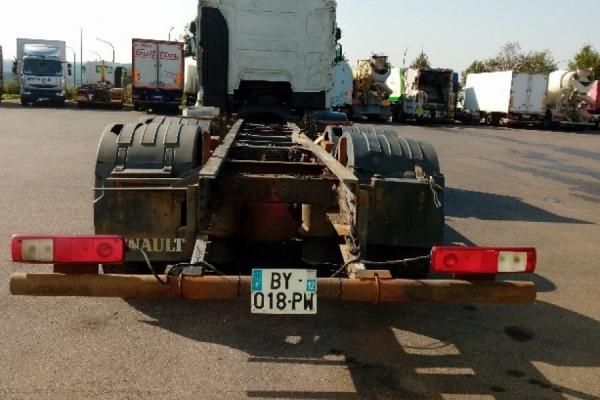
<point>233,287</point>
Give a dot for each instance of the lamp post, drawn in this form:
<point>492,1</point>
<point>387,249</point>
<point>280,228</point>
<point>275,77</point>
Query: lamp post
<point>171,30</point>
<point>110,44</point>
<point>74,69</point>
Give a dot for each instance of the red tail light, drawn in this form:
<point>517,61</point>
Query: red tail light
<point>68,249</point>
<point>483,260</point>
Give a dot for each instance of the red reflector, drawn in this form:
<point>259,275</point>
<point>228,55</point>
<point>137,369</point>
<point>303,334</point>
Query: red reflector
<point>483,260</point>
<point>39,249</point>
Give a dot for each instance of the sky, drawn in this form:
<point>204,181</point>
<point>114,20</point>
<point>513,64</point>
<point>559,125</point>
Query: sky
<point>452,32</point>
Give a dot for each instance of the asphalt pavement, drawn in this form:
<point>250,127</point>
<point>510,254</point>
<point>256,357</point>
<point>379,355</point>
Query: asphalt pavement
<point>505,187</point>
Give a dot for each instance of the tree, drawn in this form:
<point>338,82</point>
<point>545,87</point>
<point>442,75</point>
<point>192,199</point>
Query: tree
<point>587,57</point>
<point>421,62</point>
<point>476,67</point>
<point>538,62</point>
<point>511,57</point>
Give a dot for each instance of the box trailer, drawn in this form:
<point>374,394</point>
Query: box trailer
<point>507,96</point>
<point>158,74</point>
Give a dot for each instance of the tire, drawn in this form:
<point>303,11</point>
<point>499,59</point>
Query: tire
<point>547,123</point>
<point>24,102</point>
<point>495,119</point>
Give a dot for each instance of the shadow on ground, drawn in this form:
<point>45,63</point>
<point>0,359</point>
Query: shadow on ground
<point>401,351</point>
<point>495,207</point>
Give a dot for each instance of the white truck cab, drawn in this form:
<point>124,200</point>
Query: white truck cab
<point>264,53</point>
<point>42,70</point>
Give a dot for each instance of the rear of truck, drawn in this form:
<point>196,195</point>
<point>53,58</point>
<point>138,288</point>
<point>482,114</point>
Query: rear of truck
<point>429,95</point>
<point>507,96</point>
<point>158,74</point>
<point>244,205</point>
<point>102,85</point>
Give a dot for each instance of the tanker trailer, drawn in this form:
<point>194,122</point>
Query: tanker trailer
<point>568,100</point>
<point>370,96</point>
<point>246,205</point>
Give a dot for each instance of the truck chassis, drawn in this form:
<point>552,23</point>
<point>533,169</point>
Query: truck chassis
<point>269,166</point>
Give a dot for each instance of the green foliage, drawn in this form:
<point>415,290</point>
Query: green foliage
<point>11,87</point>
<point>476,67</point>
<point>538,62</point>
<point>128,89</point>
<point>587,57</point>
<point>511,57</point>
<point>71,93</point>
<point>421,62</point>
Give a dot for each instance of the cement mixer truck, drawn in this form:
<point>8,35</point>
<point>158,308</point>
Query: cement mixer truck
<point>370,96</point>
<point>568,100</point>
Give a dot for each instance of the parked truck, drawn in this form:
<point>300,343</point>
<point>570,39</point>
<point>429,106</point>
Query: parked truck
<point>42,71</point>
<point>423,95</point>
<point>102,85</point>
<point>370,98</point>
<point>343,81</point>
<point>191,87</point>
<point>158,75</point>
<point>568,100</point>
<point>246,205</point>
<point>507,96</point>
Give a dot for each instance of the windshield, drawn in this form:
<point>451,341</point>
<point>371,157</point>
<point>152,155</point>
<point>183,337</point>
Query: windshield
<point>42,68</point>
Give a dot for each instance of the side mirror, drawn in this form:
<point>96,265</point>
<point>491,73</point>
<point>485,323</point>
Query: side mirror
<point>338,33</point>
<point>69,69</point>
<point>190,47</point>
<point>339,52</point>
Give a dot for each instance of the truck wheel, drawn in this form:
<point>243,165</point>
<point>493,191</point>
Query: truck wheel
<point>24,102</point>
<point>547,123</point>
<point>495,119</point>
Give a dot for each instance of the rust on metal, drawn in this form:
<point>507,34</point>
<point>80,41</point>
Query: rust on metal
<point>234,287</point>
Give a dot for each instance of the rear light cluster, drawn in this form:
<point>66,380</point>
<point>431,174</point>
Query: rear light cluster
<point>483,260</point>
<point>68,249</point>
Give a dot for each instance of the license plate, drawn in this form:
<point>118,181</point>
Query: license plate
<point>284,291</point>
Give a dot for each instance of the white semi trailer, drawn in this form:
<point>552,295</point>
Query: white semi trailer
<point>157,78</point>
<point>507,96</point>
<point>42,70</point>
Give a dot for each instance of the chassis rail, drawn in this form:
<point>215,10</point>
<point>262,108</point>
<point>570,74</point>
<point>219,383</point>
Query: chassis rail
<point>239,287</point>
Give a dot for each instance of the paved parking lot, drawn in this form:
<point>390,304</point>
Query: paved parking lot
<point>505,187</point>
